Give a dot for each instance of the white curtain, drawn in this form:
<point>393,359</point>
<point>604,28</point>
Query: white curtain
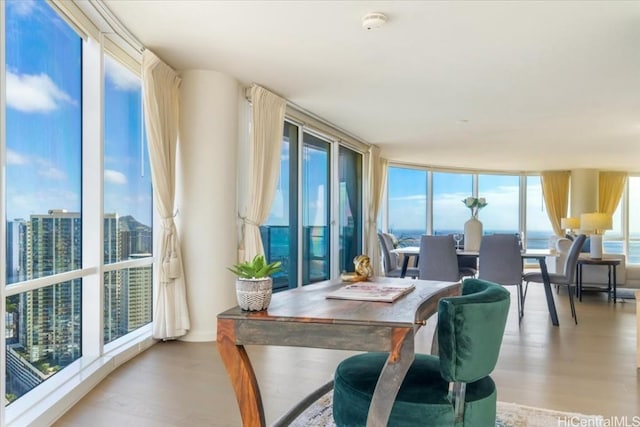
<point>376,183</point>
<point>161,111</point>
<point>264,166</point>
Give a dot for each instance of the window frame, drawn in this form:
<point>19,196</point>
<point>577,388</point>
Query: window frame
<point>48,400</point>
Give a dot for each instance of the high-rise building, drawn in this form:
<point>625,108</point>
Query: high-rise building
<point>127,292</point>
<point>50,326</point>
<point>44,329</point>
<point>15,241</point>
<point>47,321</point>
<point>114,325</point>
<point>139,296</point>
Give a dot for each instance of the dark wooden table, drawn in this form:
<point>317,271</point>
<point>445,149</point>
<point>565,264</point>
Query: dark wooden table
<point>303,317</point>
<point>611,264</point>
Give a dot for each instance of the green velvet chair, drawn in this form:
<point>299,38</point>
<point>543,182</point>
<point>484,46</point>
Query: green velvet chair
<point>454,389</point>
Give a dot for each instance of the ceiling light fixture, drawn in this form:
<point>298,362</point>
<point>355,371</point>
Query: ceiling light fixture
<point>373,20</point>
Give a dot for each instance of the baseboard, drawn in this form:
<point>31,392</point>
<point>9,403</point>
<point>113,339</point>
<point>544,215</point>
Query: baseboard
<point>199,336</point>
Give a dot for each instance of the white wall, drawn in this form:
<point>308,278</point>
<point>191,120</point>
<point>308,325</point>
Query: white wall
<point>206,195</point>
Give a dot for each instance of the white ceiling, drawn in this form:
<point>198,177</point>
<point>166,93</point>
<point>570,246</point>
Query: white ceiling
<point>506,85</point>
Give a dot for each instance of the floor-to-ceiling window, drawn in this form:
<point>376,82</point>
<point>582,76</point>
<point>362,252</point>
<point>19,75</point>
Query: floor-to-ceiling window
<point>350,206</point>
<point>502,193</point>
<point>633,220</point>
<point>279,232</point>
<point>315,168</point>
<point>407,204</point>
<point>449,211</point>
<point>298,230</point>
<point>65,114</point>
<point>613,240</point>
<point>515,204</point>
<point>43,71</point>
<point>127,204</point>
<point>511,207</point>
<point>538,226</point>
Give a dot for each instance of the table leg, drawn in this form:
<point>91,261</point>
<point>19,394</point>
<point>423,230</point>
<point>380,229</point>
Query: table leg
<point>405,265</point>
<point>548,292</point>
<point>615,283</point>
<point>637,330</point>
<point>391,377</point>
<point>579,281</point>
<point>243,378</point>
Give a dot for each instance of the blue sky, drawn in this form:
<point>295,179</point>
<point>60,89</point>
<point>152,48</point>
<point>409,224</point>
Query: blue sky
<point>43,72</point>
<point>407,201</point>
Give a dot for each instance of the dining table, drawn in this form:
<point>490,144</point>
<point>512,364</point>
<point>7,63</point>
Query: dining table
<point>413,252</point>
<point>307,317</point>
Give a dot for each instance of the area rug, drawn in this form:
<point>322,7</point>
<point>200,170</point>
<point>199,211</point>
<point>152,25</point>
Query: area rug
<point>319,414</point>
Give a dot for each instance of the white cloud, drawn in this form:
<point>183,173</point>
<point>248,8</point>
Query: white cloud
<point>23,7</point>
<point>15,158</point>
<point>52,173</point>
<point>34,93</point>
<point>114,177</point>
<point>121,78</point>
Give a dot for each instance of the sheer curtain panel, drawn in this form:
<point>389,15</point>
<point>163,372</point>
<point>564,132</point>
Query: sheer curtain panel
<point>376,181</point>
<point>161,112</point>
<point>264,166</point>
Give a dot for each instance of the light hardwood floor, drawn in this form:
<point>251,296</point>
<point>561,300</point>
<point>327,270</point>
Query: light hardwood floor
<point>588,368</point>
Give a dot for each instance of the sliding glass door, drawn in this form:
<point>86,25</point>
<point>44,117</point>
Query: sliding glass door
<point>316,211</point>
<point>350,206</point>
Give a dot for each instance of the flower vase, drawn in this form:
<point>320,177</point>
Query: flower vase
<point>472,234</point>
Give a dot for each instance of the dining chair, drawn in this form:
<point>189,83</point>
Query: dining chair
<point>470,330</point>
<point>564,279</point>
<point>500,261</point>
<point>467,264</point>
<point>438,259</point>
<point>390,259</point>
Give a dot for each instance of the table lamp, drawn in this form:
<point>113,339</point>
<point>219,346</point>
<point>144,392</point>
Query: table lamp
<point>595,224</point>
<point>571,223</point>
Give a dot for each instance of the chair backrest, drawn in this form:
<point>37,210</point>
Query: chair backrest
<point>438,259</point>
<point>470,330</point>
<point>390,260</point>
<point>572,258</point>
<point>500,260</point>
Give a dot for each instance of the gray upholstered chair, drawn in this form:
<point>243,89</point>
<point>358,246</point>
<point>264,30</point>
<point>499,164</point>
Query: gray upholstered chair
<point>390,260</point>
<point>438,259</point>
<point>500,261</point>
<point>470,330</point>
<point>568,275</point>
<point>467,264</point>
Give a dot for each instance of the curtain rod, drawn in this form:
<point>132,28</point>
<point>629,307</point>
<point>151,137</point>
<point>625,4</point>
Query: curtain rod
<point>300,110</point>
<point>116,25</point>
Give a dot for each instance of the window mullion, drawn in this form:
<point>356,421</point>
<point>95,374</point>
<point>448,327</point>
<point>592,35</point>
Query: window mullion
<point>92,198</point>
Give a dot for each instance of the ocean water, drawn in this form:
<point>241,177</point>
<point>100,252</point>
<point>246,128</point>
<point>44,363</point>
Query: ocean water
<point>534,240</point>
<point>277,243</point>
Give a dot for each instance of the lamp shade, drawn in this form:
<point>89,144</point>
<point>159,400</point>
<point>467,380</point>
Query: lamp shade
<point>595,222</point>
<point>570,223</point>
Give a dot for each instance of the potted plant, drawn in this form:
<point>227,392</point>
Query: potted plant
<point>254,285</point>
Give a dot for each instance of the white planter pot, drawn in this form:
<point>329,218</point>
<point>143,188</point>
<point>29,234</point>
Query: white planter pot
<point>254,294</point>
<point>472,234</point>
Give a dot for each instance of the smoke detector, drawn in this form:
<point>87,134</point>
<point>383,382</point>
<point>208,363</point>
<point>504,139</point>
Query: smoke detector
<point>373,20</point>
